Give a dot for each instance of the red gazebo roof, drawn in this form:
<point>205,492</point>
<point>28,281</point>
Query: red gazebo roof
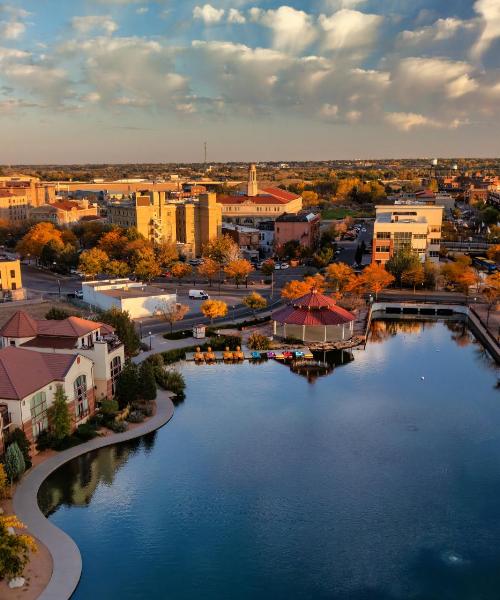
<point>313,309</point>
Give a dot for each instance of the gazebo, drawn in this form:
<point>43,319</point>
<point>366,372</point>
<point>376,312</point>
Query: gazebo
<point>313,318</point>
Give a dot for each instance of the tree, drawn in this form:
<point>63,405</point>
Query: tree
<point>494,253</point>
<point>128,386</point>
<point>171,312</point>
<point>430,275</point>
<point>57,314</point>
<point>124,328</point>
<point>322,257</point>
<point>490,215</point>
<point>14,462</point>
<point>255,301</point>
<point>402,261</point>
<point>413,276</point>
<point>113,243</point>
<point>310,198</point>
<point>180,270</point>
<point>93,261</point>
<point>296,288</point>
<point>339,275</point>
<point>209,269</point>
<point>147,381</point>
<point>491,292</point>
<point>222,249</point>
<point>51,252</point>
<point>166,253</point>
<point>15,548</point>
<point>59,417</point>
<point>268,267</point>
<point>147,268</point>
<point>3,483</point>
<point>238,270</point>
<point>117,268</point>
<point>375,278</point>
<point>212,309</point>
<point>257,341</point>
<point>19,437</point>
<point>37,237</point>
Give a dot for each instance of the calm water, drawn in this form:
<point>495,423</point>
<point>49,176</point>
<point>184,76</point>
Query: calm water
<point>370,483</point>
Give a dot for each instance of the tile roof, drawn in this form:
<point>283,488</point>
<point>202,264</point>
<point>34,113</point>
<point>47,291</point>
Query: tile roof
<point>51,341</point>
<point>19,325</point>
<point>22,325</point>
<point>23,372</point>
<point>281,194</point>
<point>313,309</point>
<point>259,199</point>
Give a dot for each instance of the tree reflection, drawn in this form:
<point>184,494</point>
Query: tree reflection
<point>460,333</point>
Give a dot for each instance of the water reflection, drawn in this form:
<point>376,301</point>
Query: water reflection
<point>75,483</point>
<point>383,329</point>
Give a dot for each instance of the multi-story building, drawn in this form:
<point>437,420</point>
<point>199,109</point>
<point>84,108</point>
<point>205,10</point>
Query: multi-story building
<point>258,204</point>
<point>11,285</point>
<point>247,238</point>
<point>266,237</point>
<point>14,206</point>
<point>302,227</point>
<point>75,336</point>
<point>37,192</point>
<point>191,223</point>
<point>65,212</point>
<point>407,226</point>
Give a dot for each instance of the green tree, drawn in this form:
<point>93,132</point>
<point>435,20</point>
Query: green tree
<point>127,385</point>
<point>57,314</point>
<point>124,328</point>
<point>322,257</point>
<point>19,437</point>
<point>402,261</point>
<point>147,381</point>
<point>93,261</point>
<point>59,417</point>
<point>14,462</point>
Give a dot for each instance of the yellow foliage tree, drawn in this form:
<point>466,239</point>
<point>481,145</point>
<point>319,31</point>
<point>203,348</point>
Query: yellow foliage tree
<point>37,237</point>
<point>14,548</point>
<point>113,243</point>
<point>209,269</point>
<point>238,270</point>
<point>212,309</point>
<point>4,483</point>
<point>180,270</point>
<point>339,275</point>
<point>166,253</point>
<point>296,288</point>
<point>494,253</point>
<point>375,278</point>
<point>93,261</point>
<point>255,301</point>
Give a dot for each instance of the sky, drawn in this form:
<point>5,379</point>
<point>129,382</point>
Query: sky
<point>106,81</point>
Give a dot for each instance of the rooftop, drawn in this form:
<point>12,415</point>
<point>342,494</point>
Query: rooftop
<point>143,291</point>
<point>313,309</point>
<point>301,217</point>
<point>22,325</point>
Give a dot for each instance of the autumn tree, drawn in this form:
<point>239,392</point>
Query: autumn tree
<point>375,278</point>
<point>166,253</point>
<point>171,312</point>
<point>209,269</point>
<point>113,243</point>
<point>116,268</point>
<point>147,268</point>
<point>460,274</point>
<point>238,270</point>
<point>491,292</point>
<point>222,250</point>
<point>268,267</point>
<point>401,261</point>
<point>93,261</point>
<point>338,276</point>
<point>255,302</point>
<point>296,288</point>
<point>213,309</point>
<point>37,237</point>
<point>494,253</point>
<point>15,548</point>
<point>310,198</point>
<point>59,417</point>
<point>413,276</point>
<point>180,270</point>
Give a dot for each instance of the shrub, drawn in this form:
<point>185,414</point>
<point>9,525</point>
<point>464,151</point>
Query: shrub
<point>14,548</point>
<point>119,426</point>
<point>136,416</point>
<point>109,407</point>
<point>97,419</point>
<point>258,342</point>
<point>14,462</point>
<point>44,441</point>
<point>156,360</point>
<point>57,314</point>
<point>147,381</point>
<point>85,432</point>
<point>3,483</point>
<point>173,356</point>
<point>127,385</point>
<point>22,441</point>
<point>144,347</point>
<point>59,417</point>
<point>173,381</point>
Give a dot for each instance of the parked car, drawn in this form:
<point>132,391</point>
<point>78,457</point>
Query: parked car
<point>284,265</point>
<point>198,295</point>
<point>78,294</point>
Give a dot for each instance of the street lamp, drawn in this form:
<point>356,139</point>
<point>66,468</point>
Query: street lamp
<point>150,340</point>
<point>233,307</point>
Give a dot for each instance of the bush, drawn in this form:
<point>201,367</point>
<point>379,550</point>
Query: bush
<point>136,416</point>
<point>119,426</point>
<point>173,356</point>
<point>144,347</point>
<point>156,360</point>
<point>97,419</point>
<point>44,441</point>
<point>147,410</point>
<point>57,314</point>
<point>172,381</point>
<point>258,342</point>
<point>178,335</point>
<point>85,432</point>
<point>14,462</point>
<point>109,407</point>
<point>22,441</point>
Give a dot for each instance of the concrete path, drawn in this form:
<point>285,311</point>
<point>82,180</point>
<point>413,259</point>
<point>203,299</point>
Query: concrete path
<point>67,561</point>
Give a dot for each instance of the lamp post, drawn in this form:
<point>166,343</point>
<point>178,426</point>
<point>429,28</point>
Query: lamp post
<point>150,340</point>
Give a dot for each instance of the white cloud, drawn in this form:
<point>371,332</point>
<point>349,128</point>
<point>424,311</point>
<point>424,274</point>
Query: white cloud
<point>441,30</point>
<point>292,29</point>
<point>349,29</point>
<point>12,54</point>
<point>489,11</point>
<point>464,84</point>
<point>142,10</point>
<point>208,14</point>
<point>12,30</point>
<point>91,23</point>
<point>14,12</point>
<point>408,121</point>
<point>235,16</point>
<point>51,84</point>
<point>329,111</point>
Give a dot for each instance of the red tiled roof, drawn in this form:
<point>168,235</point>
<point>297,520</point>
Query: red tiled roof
<point>65,205</point>
<point>51,341</point>
<point>22,325</point>
<point>8,194</point>
<point>23,372</point>
<point>281,194</point>
<point>313,309</point>
<point>260,199</point>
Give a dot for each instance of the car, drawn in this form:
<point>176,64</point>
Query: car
<point>78,294</point>
<point>363,230</point>
<point>198,295</point>
<point>283,265</point>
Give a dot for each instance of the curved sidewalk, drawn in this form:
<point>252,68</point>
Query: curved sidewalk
<point>66,557</point>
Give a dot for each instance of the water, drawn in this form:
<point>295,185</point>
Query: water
<point>370,483</point>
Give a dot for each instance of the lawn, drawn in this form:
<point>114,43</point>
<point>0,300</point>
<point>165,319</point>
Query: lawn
<point>340,212</point>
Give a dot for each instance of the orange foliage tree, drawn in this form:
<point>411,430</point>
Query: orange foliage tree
<point>209,269</point>
<point>214,309</point>
<point>296,288</point>
<point>339,275</point>
<point>375,278</point>
<point>238,270</point>
<point>37,237</point>
<point>180,270</point>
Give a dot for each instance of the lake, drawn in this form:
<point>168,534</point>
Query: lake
<point>378,481</point>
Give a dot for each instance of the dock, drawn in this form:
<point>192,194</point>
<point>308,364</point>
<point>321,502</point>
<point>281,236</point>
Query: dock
<point>284,355</point>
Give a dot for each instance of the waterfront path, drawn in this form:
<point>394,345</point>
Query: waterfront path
<point>67,561</point>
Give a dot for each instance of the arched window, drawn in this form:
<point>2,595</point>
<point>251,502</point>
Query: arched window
<point>39,418</point>
<point>81,401</point>
<point>116,368</point>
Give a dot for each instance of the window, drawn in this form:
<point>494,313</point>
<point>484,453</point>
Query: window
<point>402,240</point>
<point>435,229</point>
<point>419,236</point>
<point>14,285</point>
<point>39,418</point>
<point>12,273</point>
<point>433,254</point>
<point>81,401</point>
<point>116,367</point>
<point>382,249</point>
<point>435,241</point>
<point>383,235</point>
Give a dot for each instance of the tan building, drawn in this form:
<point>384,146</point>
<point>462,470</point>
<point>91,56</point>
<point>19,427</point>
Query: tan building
<point>11,285</point>
<point>258,204</point>
<point>14,206</point>
<point>36,191</point>
<point>190,223</point>
<point>64,212</point>
<point>407,226</point>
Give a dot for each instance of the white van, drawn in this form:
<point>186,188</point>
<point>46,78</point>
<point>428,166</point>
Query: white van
<point>198,295</point>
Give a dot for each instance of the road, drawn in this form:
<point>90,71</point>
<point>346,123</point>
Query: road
<point>348,248</point>
<point>46,282</point>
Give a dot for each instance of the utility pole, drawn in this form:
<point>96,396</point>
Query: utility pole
<point>205,152</point>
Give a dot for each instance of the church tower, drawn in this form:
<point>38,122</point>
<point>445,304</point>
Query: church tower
<point>252,189</point>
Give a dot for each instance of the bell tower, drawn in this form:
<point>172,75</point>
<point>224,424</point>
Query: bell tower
<point>252,189</point>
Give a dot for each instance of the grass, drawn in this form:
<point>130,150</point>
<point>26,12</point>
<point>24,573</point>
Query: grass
<point>37,311</point>
<point>340,212</point>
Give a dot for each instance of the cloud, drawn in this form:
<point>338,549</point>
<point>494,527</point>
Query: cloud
<point>348,29</point>
<point>409,121</point>
<point>13,54</point>
<point>94,23</point>
<point>441,30</point>
<point>50,84</point>
<point>142,10</point>
<point>208,14</point>
<point>12,30</point>
<point>235,16</point>
<point>293,30</point>
<point>489,11</point>
<point>14,12</point>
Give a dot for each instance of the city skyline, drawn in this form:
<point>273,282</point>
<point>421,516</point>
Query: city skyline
<point>116,81</point>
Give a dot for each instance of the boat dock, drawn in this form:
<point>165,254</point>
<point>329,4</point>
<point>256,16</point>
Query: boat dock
<point>282,355</point>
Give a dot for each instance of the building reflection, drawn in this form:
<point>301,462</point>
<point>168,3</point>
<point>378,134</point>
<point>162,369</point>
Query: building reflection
<point>75,483</point>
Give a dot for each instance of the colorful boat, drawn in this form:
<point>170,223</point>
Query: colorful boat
<point>227,354</point>
<point>256,355</point>
<point>198,355</point>
<point>271,354</point>
<point>238,354</point>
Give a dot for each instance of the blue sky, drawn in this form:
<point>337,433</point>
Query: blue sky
<point>151,80</point>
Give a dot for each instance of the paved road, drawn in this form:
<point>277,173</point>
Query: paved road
<point>46,282</point>
<point>348,248</point>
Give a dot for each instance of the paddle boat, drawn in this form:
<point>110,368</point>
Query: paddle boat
<point>238,354</point>
<point>209,355</point>
<point>198,355</point>
<point>256,355</point>
<point>227,355</point>
<point>271,354</point>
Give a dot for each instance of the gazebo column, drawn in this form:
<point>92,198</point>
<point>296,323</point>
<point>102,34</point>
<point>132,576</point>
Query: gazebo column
<point>343,331</point>
<point>303,333</point>
<point>324,334</point>
<point>284,329</point>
